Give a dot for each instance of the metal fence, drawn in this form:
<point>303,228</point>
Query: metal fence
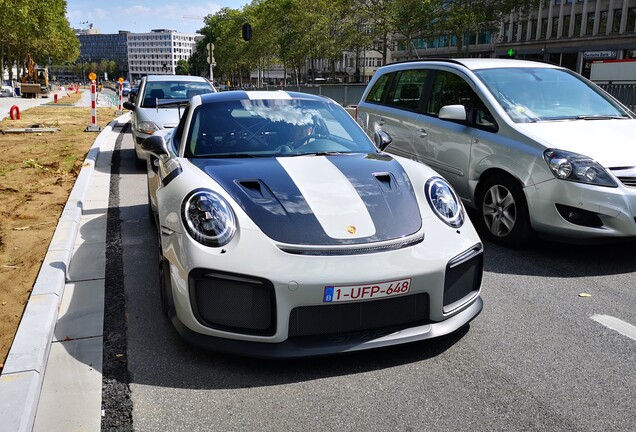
<point>626,93</point>
<point>350,94</point>
<point>344,94</point>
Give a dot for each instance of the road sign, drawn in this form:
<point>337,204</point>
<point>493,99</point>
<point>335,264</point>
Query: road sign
<point>92,76</point>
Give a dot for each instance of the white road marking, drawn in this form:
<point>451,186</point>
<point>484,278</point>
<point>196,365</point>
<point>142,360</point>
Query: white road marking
<point>617,325</point>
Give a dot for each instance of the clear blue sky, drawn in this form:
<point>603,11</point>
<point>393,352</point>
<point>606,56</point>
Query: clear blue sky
<point>140,16</point>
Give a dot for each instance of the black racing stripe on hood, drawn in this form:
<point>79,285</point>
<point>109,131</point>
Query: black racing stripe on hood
<point>265,191</point>
<point>386,190</point>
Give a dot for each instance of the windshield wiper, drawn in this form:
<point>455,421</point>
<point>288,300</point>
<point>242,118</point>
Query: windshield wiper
<point>225,155</point>
<point>323,153</point>
<point>600,117</point>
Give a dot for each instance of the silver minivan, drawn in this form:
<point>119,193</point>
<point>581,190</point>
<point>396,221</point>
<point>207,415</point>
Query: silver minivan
<point>533,147</point>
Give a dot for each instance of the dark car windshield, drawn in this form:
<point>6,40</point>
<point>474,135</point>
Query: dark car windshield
<point>541,94</point>
<point>277,127</point>
<point>173,90</point>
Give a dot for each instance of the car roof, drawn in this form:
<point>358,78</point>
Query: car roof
<point>482,63</point>
<point>172,78</point>
<point>235,95</point>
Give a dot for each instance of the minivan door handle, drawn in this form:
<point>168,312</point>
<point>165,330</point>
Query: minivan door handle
<point>422,133</point>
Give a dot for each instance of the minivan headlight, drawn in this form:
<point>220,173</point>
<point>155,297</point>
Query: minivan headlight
<point>575,167</point>
<point>444,202</point>
<point>147,127</point>
<point>208,218</point>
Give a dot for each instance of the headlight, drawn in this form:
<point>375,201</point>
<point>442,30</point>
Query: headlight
<point>574,167</point>
<point>208,218</point>
<point>444,202</point>
<point>147,127</point>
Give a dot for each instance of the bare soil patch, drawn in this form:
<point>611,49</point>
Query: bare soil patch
<point>37,173</point>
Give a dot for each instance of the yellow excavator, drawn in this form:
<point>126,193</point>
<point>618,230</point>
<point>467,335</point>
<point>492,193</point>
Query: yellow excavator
<point>35,80</point>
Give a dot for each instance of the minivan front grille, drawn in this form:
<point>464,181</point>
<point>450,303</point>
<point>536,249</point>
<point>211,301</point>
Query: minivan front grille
<point>626,175</point>
<point>628,181</point>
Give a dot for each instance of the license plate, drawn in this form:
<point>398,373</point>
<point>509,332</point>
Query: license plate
<point>366,292</point>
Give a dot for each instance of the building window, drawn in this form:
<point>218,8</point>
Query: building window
<point>589,26</point>
<point>616,20</point>
<point>484,38</point>
<point>544,28</point>
<point>555,27</point>
<point>602,24</point>
<point>533,30</point>
<point>566,26</point>
<point>631,19</point>
<point>578,20</point>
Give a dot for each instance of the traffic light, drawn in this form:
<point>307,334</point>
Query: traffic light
<point>247,31</point>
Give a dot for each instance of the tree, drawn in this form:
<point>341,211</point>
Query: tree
<point>462,18</point>
<point>412,18</point>
<point>30,27</point>
<point>182,67</point>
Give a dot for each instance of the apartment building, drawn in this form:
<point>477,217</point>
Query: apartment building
<point>158,52</point>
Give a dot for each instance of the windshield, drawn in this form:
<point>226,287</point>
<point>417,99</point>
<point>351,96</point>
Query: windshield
<point>542,94</point>
<point>249,128</point>
<point>173,90</point>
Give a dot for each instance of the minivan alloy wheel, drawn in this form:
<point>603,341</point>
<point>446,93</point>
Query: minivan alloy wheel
<point>503,211</point>
<point>499,211</point>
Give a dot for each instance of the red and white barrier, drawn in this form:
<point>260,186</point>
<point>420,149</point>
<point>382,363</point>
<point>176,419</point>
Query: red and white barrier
<point>121,90</point>
<point>93,126</point>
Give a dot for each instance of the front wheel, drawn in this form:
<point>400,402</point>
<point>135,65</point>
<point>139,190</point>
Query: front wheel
<point>503,211</point>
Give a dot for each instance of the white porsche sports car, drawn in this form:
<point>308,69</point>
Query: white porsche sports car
<point>286,233</point>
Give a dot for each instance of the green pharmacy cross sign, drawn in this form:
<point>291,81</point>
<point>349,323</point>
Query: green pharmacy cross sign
<point>511,52</point>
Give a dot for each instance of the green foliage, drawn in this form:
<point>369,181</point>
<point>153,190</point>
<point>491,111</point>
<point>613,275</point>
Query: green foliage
<point>294,32</point>
<point>36,28</point>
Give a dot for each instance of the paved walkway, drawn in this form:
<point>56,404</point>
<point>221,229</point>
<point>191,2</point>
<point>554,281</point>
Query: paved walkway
<point>52,378</point>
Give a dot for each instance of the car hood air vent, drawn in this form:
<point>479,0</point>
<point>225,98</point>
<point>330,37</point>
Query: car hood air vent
<point>386,182</point>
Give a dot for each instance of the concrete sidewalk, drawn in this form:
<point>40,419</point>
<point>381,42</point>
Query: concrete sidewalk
<point>52,378</point>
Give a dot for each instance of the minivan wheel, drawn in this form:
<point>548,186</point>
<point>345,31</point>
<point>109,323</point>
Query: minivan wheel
<point>503,211</point>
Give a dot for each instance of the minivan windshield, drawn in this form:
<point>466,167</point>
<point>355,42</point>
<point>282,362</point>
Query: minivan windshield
<point>544,94</point>
<point>273,128</point>
<point>165,90</point>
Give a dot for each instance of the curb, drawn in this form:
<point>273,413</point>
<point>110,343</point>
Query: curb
<point>23,373</point>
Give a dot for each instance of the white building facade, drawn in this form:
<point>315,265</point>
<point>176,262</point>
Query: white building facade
<point>158,52</point>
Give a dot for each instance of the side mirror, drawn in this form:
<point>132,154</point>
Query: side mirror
<point>129,105</point>
<point>155,145</point>
<point>453,112</point>
<point>382,139</point>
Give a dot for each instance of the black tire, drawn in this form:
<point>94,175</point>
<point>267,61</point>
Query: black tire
<point>140,163</point>
<point>503,211</point>
<point>167,305</point>
<point>152,215</point>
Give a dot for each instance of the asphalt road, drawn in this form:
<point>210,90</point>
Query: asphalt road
<point>534,360</point>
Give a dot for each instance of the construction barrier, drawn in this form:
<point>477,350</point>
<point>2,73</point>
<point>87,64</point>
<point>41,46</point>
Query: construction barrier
<point>14,112</point>
<point>93,126</point>
<point>121,90</point>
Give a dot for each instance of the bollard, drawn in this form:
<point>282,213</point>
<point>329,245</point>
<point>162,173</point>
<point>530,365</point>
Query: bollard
<point>93,127</point>
<point>55,98</point>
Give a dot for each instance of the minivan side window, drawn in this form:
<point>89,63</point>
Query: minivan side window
<point>376,92</point>
<point>448,89</point>
<point>408,89</point>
